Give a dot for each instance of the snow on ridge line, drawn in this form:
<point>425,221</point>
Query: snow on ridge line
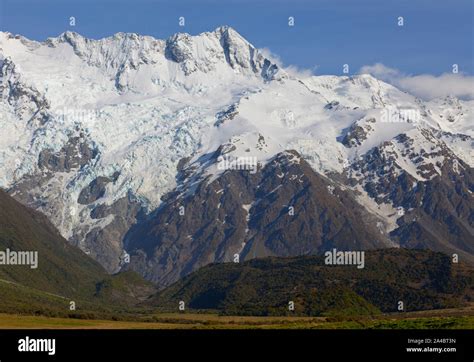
<point>116,36</point>
<point>123,51</point>
<point>146,120</point>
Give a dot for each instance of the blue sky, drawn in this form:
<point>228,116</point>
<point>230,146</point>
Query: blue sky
<point>326,35</point>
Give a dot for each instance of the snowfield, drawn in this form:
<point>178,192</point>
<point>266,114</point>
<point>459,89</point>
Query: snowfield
<point>143,104</point>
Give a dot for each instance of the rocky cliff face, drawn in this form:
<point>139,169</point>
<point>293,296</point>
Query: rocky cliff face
<point>434,198</point>
<point>283,209</point>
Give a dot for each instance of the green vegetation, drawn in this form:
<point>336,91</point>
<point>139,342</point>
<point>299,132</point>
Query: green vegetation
<point>214,321</point>
<point>64,273</point>
<point>18,299</point>
<point>62,268</point>
<point>423,280</point>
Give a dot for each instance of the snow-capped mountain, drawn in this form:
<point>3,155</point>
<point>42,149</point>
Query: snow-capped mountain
<point>103,135</point>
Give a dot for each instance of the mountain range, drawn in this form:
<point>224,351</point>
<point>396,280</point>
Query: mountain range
<point>164,156</point>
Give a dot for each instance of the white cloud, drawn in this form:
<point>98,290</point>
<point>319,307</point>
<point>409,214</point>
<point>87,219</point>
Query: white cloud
<point>425,86</point>
<point>380,71</point>
<point>291,70</point>
<point>275,58</point>
<point>428,86</point>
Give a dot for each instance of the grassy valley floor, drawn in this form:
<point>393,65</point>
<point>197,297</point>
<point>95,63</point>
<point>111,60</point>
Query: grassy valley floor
<point>436,319</point>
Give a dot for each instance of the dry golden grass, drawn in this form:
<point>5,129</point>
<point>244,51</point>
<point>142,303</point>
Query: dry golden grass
<point>438,319</point>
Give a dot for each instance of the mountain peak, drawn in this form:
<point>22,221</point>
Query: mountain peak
<point>74,36</point>
<point>230,32</point>
<point>204,51</point>
<point>223,28</point>
<point>68,36</point>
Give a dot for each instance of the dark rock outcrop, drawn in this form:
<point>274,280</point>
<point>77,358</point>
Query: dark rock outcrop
<point>284,209</point>
<point>75,154</point>
<point>96,189</point>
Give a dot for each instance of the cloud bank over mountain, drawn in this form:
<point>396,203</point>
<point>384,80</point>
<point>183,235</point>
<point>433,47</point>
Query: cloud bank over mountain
<point>426,86</point>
